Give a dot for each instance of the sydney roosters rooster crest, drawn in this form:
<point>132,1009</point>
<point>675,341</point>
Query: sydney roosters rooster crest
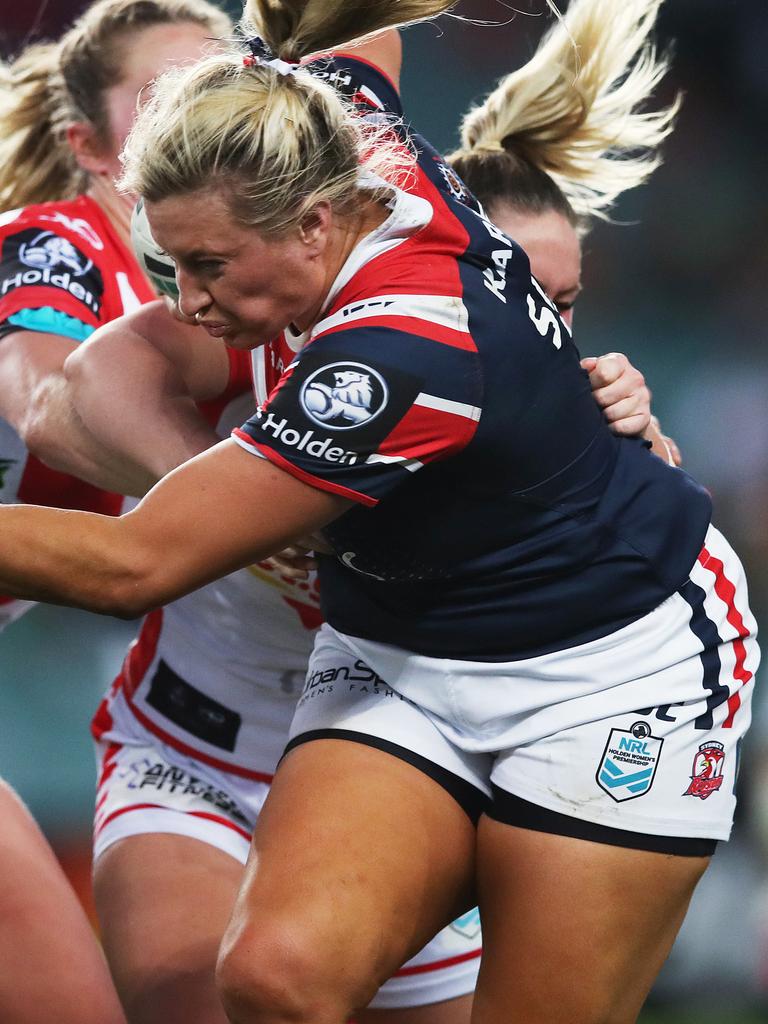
<point>707,772</point>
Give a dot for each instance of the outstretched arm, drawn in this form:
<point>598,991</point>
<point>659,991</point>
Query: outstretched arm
<point>221,511</point>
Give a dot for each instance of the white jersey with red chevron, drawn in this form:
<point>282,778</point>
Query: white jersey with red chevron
<point>216,674</point>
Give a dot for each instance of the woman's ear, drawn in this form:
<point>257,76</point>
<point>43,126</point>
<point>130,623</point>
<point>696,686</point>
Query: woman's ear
<point>315,228</point>
<point>88,150</point>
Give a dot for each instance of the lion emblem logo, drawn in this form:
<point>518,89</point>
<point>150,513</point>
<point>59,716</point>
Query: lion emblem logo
<point>48,251</point>
<point>344,395</point>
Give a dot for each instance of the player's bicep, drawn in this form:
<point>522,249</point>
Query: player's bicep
<point>200,361</point>
<point>217,513</point>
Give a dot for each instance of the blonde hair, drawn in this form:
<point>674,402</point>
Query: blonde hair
<point>53,85</point>
<point>280,143</point>
<point>294,29</point>
<point>567,131</point>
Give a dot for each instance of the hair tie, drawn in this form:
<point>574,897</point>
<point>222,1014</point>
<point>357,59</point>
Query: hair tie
<point>262,55</point>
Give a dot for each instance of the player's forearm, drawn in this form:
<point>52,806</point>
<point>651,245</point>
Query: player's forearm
<point>66,557</point>
<point>215,514</point>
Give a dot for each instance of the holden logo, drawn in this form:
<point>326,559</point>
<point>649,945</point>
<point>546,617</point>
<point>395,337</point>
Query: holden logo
<point>344,395</point>
<point>48,251</point>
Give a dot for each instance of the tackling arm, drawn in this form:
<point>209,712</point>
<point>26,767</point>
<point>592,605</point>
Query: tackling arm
<point>132,386</point>
<point>221,511</point>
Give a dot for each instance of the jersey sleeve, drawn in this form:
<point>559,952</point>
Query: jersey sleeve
<point>359,81</point>
<point>48,283</point>
<point>362,409</point>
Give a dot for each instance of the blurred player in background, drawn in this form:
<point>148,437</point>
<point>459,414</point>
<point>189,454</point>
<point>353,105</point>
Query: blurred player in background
<point>192,730</point>
<point>66,267</point>
<point>559,140</point>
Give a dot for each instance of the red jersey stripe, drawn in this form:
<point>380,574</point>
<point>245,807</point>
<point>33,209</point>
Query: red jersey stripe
<point>417,326</point>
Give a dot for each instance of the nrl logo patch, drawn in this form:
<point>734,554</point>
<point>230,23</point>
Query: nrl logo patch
<point>707,771</point>
<point>628,765</point>
<point>468,924</point>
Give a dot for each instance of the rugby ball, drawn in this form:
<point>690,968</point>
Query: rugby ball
<point>156,264</point>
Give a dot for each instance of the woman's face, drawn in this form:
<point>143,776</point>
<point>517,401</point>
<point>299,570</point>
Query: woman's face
<point>240,286</point>
<point>146,54</point>
<point>553,248</point>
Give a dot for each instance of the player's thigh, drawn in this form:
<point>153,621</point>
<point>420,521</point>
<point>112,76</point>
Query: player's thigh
<point>447,1011</point>
<point>52,967</point>
<point>574,931</point>
<point>163,902</point>
<point>358,859</point>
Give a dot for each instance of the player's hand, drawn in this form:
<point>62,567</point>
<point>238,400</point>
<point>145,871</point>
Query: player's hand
<point>297,561</point>
<point>662,441</point>
<point>621,392</point>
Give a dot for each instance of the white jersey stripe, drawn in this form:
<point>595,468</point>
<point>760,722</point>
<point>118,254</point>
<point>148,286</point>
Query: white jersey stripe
<point>410,464</point>
<point>443,310</point>
<point>258,365</point>
<point>371,95</point>
<point>471,412</point>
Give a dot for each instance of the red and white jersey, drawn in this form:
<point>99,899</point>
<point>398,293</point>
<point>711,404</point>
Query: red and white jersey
<point>216,674</point>
<point>63,270</point>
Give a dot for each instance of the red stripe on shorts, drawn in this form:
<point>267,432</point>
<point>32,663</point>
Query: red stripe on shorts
<point>726,591</point>
<point>159,807</point>
<point>109,763</point>
<point>438,965</point>
<point>193,752</point>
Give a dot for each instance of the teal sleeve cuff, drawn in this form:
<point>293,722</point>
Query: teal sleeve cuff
<point>48,320</point>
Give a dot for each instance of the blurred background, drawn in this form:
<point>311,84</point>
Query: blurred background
<point>681,286</point>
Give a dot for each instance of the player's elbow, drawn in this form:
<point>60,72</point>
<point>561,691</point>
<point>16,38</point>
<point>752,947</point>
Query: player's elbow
<point>130,587</point>
<point>41,441</point>
<point>44,430</point>
<point>134,594</point>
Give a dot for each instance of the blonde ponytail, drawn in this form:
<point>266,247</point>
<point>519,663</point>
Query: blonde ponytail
<point>51,86</point>
<point>574,111</point>
<point>293,29</point>
<point>279,143</point>
<point>35,162</point>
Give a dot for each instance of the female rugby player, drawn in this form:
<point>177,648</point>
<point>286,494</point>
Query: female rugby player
<point>173,791</point>
<point>555,500</point>
<point>66,267</point>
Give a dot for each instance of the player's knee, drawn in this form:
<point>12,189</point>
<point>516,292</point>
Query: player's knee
<point>273,975</point>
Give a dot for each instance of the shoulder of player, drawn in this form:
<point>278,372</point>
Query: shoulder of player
<point>76,220</point>
<point>360,80</point>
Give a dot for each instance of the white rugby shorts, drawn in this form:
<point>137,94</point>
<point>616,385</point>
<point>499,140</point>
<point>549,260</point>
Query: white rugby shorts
<point>632,739</point>
<point>147,787</point>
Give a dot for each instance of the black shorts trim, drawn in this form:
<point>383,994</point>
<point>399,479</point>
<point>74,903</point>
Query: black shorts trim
<point>513,810</point>
<point>471,799</point>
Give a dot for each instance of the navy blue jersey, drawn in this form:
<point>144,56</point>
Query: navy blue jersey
<point>496,514</point>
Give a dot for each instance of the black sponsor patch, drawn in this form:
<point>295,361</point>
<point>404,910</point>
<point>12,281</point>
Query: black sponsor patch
<point>192,710</point>
<point>39,258</point>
